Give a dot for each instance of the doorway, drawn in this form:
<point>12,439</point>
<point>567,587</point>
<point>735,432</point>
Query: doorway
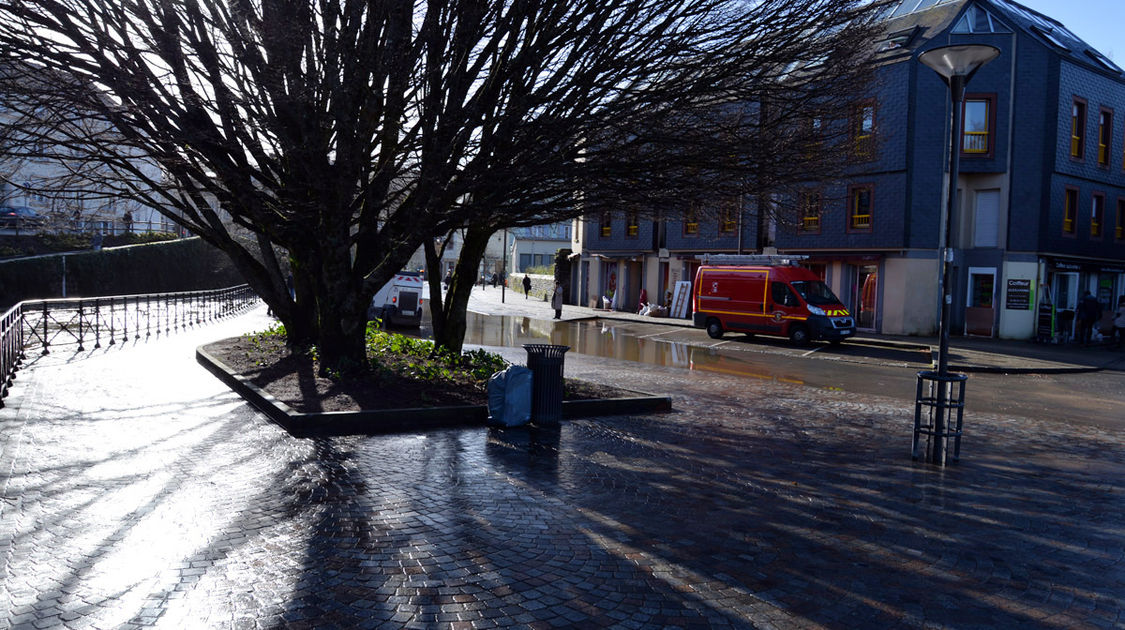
<point>1065,289</point>
<point>980,311</point>
<point>865,297</point>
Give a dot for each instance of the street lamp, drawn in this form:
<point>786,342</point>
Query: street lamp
<point>956,65</point>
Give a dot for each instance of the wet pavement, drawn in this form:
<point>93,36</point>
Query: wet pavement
<point>966,354</point>
<point>139,492</point>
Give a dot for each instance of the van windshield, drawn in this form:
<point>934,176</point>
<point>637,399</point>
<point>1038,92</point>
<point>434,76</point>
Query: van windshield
<point>816,292</point>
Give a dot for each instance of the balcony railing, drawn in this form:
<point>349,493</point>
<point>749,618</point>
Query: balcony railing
<point>83,323</point>
<point>975,142</point>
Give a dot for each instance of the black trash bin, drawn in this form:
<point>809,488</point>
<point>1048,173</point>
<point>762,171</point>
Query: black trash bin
<point>546,364</point>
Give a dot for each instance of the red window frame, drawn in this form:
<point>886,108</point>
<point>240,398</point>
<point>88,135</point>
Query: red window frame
<point>728,219</point>
<point>1078,109</point>
<point>691,220</point>
<point>861,222</point>
<point>989,135</point>
<point>1105,136</point>
<point>1097,215</point>
<point>1070,212</point>
<point>863,144</point>
<point>632,224</point>
<point>1119,228</point>
<point>811,204</point>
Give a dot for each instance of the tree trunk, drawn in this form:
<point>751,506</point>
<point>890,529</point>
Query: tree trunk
<point>437,300</point>
<point>330,300</point>
<point>457,298</point>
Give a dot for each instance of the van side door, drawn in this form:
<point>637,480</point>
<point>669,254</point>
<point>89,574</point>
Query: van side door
<point>785,306</point>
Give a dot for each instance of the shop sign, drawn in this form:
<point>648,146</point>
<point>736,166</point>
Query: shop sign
<point>1018,296</point>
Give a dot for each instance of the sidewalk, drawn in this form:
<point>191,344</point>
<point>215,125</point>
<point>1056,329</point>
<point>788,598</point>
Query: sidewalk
<point>139,492</point>
<point>966,354</point>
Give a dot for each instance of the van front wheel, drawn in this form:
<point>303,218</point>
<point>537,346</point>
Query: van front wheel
<point>714,329</point>
<point>799,335</point>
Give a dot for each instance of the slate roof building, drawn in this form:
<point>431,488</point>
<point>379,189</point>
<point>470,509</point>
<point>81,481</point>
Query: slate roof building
<point>1041,188</point>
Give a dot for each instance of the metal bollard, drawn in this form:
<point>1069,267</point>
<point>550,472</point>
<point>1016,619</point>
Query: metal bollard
<point>546,364</point>
<point>941,395</point>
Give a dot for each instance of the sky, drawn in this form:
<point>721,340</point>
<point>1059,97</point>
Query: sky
<point>1098,22</point>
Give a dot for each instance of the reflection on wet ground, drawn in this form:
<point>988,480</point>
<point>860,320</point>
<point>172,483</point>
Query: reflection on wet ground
<point>852,367</point>
<point>597,338</point>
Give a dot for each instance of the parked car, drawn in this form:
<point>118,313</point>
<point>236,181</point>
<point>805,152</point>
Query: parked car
<point>19,217</point>
<point>399,302</point>
<point>771,298</point>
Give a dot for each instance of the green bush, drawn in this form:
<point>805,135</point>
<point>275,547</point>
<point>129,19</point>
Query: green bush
<point>421,359</point>
<point>541,270</point>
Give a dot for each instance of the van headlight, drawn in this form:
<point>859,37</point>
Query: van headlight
<point>816,310</point>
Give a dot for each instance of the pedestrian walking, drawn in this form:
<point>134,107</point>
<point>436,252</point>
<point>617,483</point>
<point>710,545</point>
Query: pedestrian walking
<point>494,281</point>
<point>1089,312</point>
<point>557,300</point>
<point>526,286</point>
<point>1119,322</point>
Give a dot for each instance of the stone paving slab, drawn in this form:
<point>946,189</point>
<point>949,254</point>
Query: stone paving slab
<point>138,491</point>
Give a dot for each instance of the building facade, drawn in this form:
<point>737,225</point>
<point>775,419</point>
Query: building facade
<point>1041,188</point>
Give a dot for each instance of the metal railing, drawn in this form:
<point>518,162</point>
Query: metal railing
<point>88,323</point>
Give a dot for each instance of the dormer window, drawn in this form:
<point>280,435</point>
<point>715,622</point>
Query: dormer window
<point>1102,61</point>
<point>977,20</point>
<point>1049,35</point>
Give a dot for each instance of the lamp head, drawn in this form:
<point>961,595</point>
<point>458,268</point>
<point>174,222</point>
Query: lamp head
<point>958,61</point>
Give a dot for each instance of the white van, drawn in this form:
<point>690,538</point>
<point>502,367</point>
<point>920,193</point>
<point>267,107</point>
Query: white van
<point>399,302</point>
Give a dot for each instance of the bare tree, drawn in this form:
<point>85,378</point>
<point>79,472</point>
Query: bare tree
<point>351,132</point>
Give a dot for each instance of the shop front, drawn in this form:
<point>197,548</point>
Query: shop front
<point>1067,280</point>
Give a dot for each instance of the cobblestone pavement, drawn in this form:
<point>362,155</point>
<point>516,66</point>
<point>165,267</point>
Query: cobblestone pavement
<point>138,492</point>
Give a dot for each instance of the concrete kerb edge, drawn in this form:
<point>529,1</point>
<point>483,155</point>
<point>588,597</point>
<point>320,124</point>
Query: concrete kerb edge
<point>377,422</point>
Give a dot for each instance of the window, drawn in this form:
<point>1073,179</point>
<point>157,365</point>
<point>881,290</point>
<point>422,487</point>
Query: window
<point>728,216</point>
<point>859,208</point>
<point>1070,208</point>
<point>1105,135</point>
<point>863,131</point>
<point>1097,215</point>
<point>691,219</point>
<point>810,211</point>
<point>631,224</point>
<point>606,224</point>
<point>814,135</point>
<point>977,20</point>
<point>1119,229</point>
<point>977,127</point>
<point>1078,129</point>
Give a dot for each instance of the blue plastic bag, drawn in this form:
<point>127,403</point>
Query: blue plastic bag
<point>509,397</point>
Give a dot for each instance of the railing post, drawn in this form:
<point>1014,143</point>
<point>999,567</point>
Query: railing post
<point>97,323</point>
<point>112,328</point>
<point>81,315</point>
<point>136,318</point>
<point>46,341</point>
<point>148,315</point>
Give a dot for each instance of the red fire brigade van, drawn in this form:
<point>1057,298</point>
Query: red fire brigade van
<point>772,297</point>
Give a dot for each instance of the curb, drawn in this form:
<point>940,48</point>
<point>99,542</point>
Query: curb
<point>411,420</point>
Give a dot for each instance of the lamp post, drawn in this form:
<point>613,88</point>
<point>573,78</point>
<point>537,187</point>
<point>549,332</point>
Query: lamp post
<point>956,65</point>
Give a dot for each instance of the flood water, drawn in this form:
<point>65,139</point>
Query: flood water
<point>848,368</point>
<point>602,339</point>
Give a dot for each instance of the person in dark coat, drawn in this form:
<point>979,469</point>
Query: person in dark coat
<point>557,300</point>
<point>1089,312</point>
<point>526,286</point>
